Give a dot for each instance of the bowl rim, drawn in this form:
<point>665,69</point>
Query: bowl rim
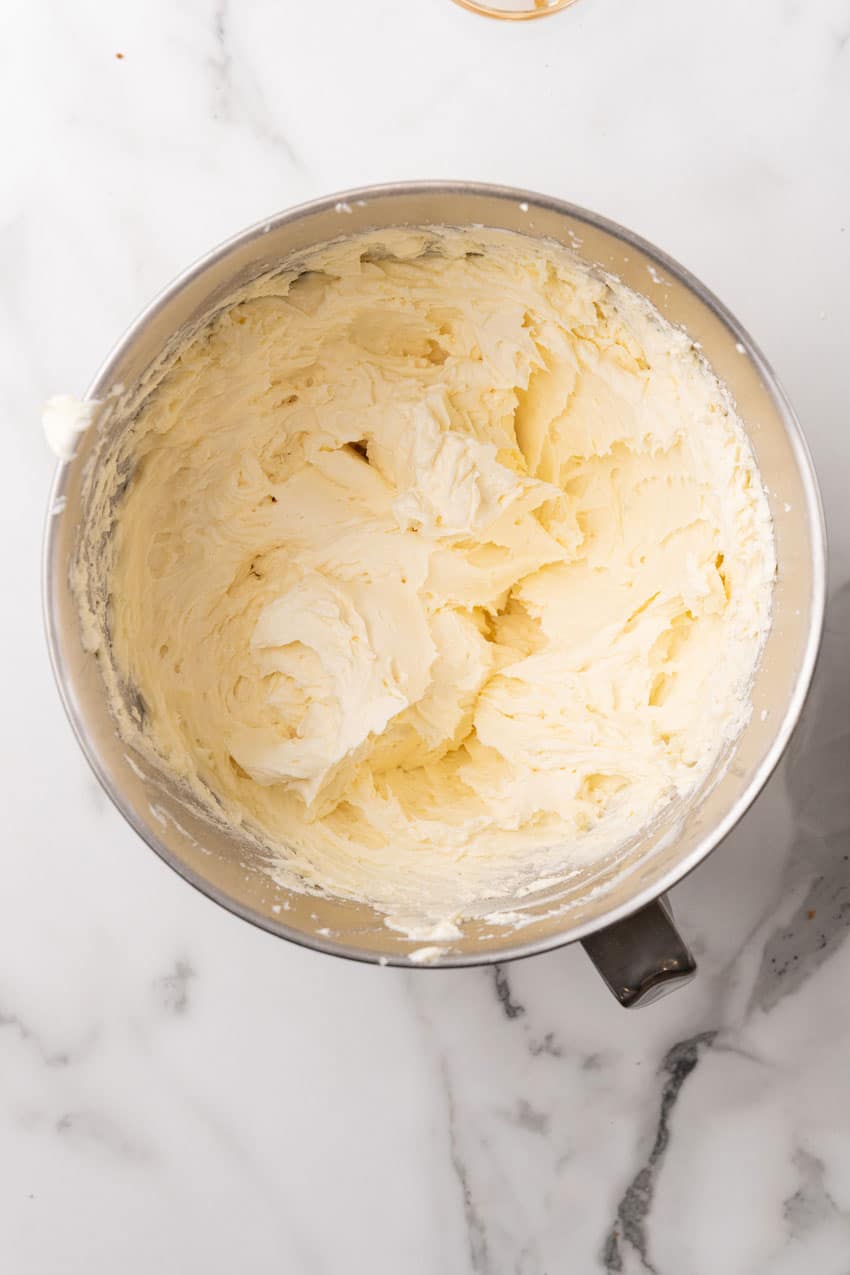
<point>102,383</point>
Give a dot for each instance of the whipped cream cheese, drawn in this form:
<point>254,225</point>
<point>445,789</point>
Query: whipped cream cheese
<point>443,563</point>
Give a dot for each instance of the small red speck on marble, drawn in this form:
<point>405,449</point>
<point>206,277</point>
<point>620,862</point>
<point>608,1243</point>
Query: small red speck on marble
<point>811,914</point>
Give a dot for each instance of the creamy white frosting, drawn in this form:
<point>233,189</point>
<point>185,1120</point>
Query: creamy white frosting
<point>64,419</point>
<point>444,564</point>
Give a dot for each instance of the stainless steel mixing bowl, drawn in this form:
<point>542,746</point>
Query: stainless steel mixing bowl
<point>615,907</point>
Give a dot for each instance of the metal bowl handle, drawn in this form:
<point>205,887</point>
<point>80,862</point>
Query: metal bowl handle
<point>642,958</point>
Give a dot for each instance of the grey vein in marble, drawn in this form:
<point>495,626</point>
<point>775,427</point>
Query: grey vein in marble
<point>510,1007</point>
<point>629,1229</point>
<point>475,1229</point>
<point>547,1044</point>
<point>811,1203</point>
<point>50,1058</point>
<point>817,771</point>
<point>99,1131</point>
<point>237,95</point>
<point>173,989</point>
<point>532,1119</point>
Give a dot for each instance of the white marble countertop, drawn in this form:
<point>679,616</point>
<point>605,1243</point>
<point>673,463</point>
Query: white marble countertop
<point>180,1092</point>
